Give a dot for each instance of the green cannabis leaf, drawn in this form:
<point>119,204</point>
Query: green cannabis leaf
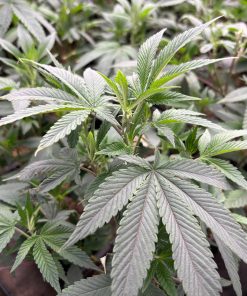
<point>157,191</point>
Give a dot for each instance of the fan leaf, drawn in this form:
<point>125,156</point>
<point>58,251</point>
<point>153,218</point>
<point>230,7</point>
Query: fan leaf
<point>95,85</point>
<point>191,253</point>
<point>185,116</point>
<point>135,242</point>
<point>232,264</point>
<point>23,251</point>
<point>172,47</point>
<point>63,127</point>
<point>42,94</point>
<point>27,17</point>
<point>213,214</point>
<point>174,71</point>
<point>236,199</point>
<point>74,82</point>
<point>193,169</point>
<point>98,285</point>
<point>45,263</point>
<point>145,57</point>
<point>230,171</point>
<point>110,198</point>
<point>8,221</point>
<point>33,111</point>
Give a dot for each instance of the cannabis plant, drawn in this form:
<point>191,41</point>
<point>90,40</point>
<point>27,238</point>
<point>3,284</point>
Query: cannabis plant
<point>36,24</point>
<point>165,206</point>
<point>73,20</point>
<point>26,48</point>
<point>124,28</point>
<point>38,241</point>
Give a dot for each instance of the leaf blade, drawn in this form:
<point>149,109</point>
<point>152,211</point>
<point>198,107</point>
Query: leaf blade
<point>213,214</point>
<point>93,286</point>
<point>46,265</point>
<point>187,168</point>
<point>62,128</point>
<point>145,57</point>
<point>131,258</point>
<point>111,197</point>
<point>196,271</point>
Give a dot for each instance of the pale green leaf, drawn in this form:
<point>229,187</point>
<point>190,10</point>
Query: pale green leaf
<point>55,179</point>
<point>170,3</point>
<point>110,198</point>
<point>226,136</point>
<point>42,94</point>
<point>10,48</point>
<point>136,160</point>
<point>33,111</point>
<point>172,47</point>
<point>52,171</point>
<point>222,148</point>
<point>7,83</point>
<point>8,221</point>
<point>236,199</point>
<point>62,128</point>
<point>193,169</point>
<point>6,235</point>
<point>229,170</point>
<point>45,263</point>
<point>170,97</point>
<point>95,85</point>
<point>113,86</point>
<point>240,219</point>
<point>99,285</point>
<point>10,193</point>
<point>173,71</point>
<point>115,148</point>
<point>73,81</point>
<point>73,254</point>
<point>27,17</point>
<point>151,92</point>
<point>213,214</point>
<point>25,40</point>
<point>166,132</point>
<point>104,113</point>
<point>139,226</point>
<point>23,251</point>
<point>221,143</point>
<point>60,269</point>
<point>5,19</point>
<point>232,265</point>
<point>204,141</point>
<point>56,230</point>
<point>237,95</point>
<point>185,116</point>
<point>66,158</point>
<point>145,57</point>
<point>191,253</point>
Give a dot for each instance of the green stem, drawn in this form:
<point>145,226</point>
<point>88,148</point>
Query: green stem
<point>22,232</point>
<point>137,143</point>
<point>87,170</point>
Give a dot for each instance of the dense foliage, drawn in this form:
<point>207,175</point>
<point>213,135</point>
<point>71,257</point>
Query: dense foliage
<point>122,144</point>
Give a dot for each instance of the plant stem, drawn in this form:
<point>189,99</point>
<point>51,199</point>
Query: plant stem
<point>87,170</point>
<point>117,129</point>
<point>137,143</point>
<point>22,232</point>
